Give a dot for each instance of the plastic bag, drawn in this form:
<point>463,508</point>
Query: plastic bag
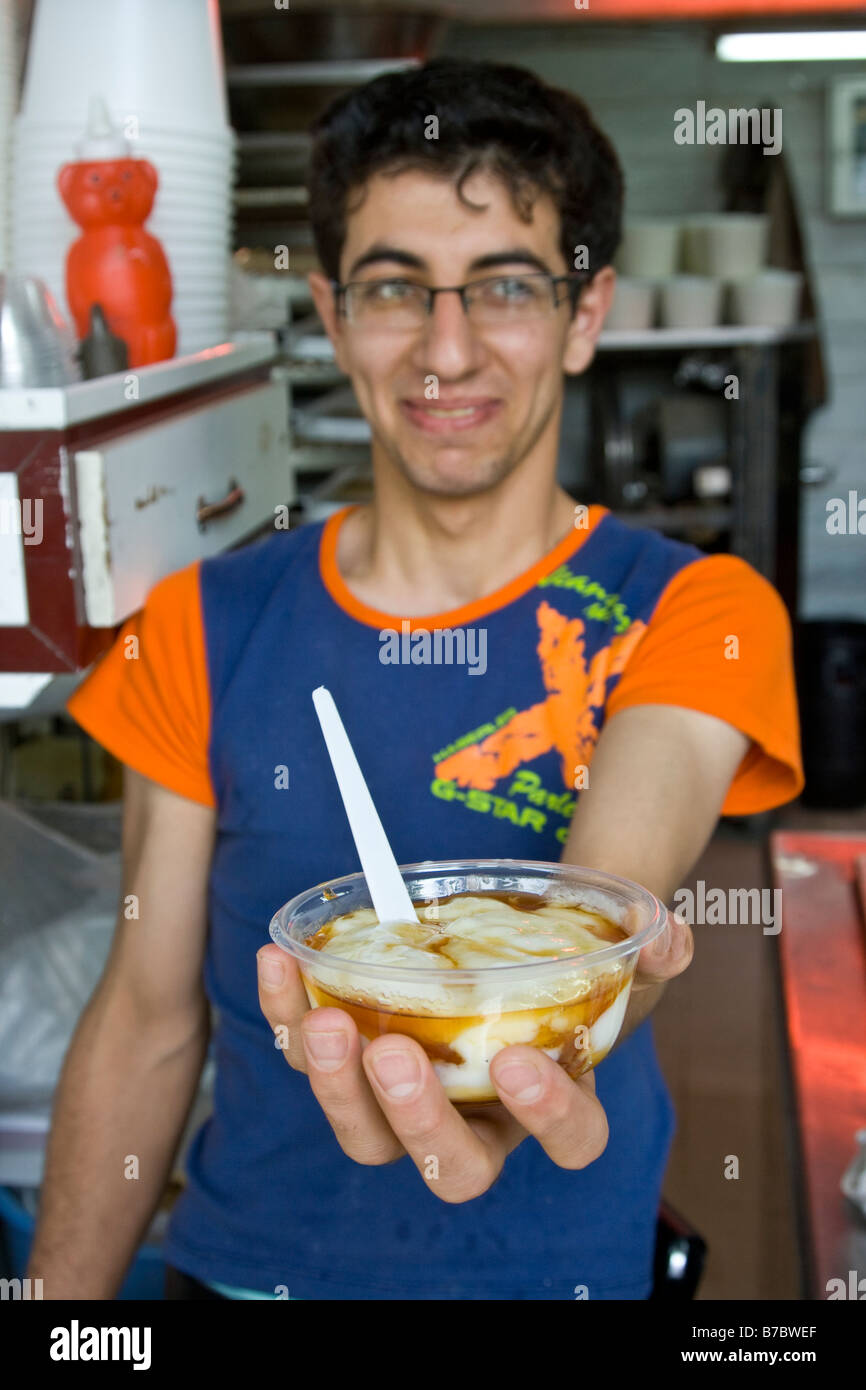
<point>58,908</point>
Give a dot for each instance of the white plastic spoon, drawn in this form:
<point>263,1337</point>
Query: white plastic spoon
<point>391,901</point>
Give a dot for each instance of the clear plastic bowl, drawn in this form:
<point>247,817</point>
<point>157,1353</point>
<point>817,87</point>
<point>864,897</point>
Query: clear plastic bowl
<point>570,1006</point>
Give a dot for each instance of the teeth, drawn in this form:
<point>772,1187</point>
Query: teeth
<point>451,414</point>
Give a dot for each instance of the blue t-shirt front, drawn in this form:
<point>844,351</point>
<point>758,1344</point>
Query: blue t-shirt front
<point>272,1200</point>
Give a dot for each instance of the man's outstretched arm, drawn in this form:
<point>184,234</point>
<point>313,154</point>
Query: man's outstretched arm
<point>657,784</point>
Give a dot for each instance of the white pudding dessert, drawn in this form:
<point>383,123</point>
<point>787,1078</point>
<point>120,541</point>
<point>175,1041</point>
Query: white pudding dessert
<point>572,1010</point>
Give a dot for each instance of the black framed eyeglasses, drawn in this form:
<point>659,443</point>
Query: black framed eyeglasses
<point>395,302</point>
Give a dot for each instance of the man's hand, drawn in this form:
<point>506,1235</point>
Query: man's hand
<point>668,956</point>
<point>387,1101</point>
<point>665,958</point>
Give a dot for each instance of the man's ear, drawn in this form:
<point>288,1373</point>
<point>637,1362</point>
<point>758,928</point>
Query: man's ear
<point>326,307</point>
<point>586,324</point>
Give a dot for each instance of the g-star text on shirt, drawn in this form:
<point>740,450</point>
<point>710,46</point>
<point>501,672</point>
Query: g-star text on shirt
<point>608,605</point>
<point>438,646</point>
<point>475,735</point>
<point>528,784</point>
<point>500,806</point>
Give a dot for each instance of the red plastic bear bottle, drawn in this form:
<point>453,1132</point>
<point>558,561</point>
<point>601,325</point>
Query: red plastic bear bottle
<point>115,262</point>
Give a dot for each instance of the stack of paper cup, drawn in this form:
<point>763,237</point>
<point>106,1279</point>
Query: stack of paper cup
<point>633,307</point>
<point>770,299</point>
<point>726,244</point>
<point>158,67</point>
<point>8,104</point>
<point>649,248</point>
<point>691,301</point>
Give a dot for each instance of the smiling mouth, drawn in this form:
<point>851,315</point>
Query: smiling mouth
<point>435,418</point>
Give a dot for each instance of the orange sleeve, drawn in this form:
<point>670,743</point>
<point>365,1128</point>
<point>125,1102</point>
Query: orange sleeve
<point>711,608</point>
<point>147,699</point>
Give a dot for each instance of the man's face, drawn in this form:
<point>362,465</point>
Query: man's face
<point>505,381</point>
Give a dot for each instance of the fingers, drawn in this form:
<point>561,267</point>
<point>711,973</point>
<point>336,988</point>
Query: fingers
<point>376,1113</point>
<point>456,1162</point>
<point>283,1001</point>
<point>385,1100</point>
<point>669,955</point>
<point>460,1156</point>
<point>565,1116</point>
<point>333,1050</point>
<point>336,1076</point>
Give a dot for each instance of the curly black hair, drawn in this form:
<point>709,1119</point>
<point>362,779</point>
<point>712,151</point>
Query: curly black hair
<point>503,119</point>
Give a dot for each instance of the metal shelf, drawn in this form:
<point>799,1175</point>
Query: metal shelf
<point>288,196</point>
<point>57,407</point>
<point>677,519</point>
<point>297,141</point>
<point>723,335</point>
<point>324,74</point>
<point>333,418</point>
<point>729,335</point>
<point>328,457</point>
<point>309,373</point>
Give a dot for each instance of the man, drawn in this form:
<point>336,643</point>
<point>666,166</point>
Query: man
<point>622,671</point>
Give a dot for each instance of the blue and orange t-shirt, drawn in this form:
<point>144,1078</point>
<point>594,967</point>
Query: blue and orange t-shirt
<point>472,757</point>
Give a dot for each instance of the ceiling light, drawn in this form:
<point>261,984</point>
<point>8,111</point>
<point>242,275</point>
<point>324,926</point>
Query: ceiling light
<point>826,45</point>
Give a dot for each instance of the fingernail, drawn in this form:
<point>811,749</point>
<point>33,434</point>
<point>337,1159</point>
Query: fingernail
<point>521,1081</point>
<point>327,1050</point>
<point>397,1072</point>
<point>270,972</point>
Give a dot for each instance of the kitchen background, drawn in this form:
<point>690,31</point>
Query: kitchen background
<point>246,416</point>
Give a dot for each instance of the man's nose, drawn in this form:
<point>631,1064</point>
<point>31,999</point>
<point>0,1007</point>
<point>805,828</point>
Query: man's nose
<point>447,344</point>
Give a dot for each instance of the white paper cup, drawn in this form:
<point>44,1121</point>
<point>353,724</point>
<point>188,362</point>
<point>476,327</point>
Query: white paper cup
<point>71,128</point>
<point>725,245</point>
<point>202,302</point>
<point>60,149</point>
<point>138,54</point>
<point>649,248</point>
<point>65,140</point>
<point>188,343</point>
<point>206,278</point>
<point>206,273</point>
<point>693,248</point>
<point>770,299</point>
<point>633,307</point>
<point>690,301</point>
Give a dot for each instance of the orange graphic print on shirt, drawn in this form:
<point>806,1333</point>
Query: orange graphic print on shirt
<point>563,720</point>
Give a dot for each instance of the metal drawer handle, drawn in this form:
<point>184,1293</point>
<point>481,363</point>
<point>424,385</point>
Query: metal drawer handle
<point>206,511</point>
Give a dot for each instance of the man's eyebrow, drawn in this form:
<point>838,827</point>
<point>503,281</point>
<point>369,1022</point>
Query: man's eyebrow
<point>380,251</point>
<point>514,255</point>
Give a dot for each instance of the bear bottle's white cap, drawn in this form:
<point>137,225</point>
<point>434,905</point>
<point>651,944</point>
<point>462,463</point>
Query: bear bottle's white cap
<point>102,139</point>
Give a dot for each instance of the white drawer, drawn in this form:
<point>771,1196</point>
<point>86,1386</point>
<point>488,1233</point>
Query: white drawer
<point>138,496</point>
